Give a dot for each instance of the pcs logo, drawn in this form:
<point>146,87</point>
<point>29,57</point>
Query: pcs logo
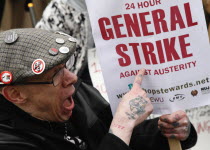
<point>177,97</point>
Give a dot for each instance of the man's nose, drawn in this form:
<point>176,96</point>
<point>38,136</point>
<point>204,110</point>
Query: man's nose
<point>69,78</point>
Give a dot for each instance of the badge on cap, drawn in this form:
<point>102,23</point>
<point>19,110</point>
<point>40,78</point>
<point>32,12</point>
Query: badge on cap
<point>6,77</point>
<point>53,51</point>
<point>64,50</point>
<point>10,37</point>
<point>59,40</point>
<point>71,39</point>
<point>38,66</point>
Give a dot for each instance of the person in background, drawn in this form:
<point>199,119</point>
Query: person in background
<point>71,17</point>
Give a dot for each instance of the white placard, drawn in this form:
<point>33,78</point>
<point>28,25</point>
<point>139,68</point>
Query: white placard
<point>96,74</point>
<point>167,38</point>
<point>200,118</point>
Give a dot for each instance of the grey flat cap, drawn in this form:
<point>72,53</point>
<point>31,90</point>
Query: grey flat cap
<point>27,52</point>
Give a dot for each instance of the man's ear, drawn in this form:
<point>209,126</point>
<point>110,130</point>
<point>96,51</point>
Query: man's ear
<point>13,94</point>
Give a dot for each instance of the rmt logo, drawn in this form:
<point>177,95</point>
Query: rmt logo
<point>177,97</point>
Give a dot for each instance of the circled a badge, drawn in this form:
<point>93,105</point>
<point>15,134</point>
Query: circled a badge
<point>6,77</point>
<point>38,66</point>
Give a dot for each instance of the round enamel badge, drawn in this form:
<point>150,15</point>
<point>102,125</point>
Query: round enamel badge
<point>38,66</point>
<point>64,50</point>
<point>6,77</point>
<point>10,37</point>
<point>59,40</point>
<point>53,51</point>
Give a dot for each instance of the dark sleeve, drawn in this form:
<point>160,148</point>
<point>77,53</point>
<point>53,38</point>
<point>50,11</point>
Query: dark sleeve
<point>12,141</point>
<point>191,140</point>
<point>148,135</point>
<point>17,146</point>
<point>112,142</point>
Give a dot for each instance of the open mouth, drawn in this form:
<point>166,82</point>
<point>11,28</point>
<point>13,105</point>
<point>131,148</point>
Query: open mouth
<point>68,104</point>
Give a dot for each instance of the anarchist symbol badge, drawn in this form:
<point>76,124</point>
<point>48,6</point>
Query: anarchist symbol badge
<point>6,77</point>
<point>38,66</point>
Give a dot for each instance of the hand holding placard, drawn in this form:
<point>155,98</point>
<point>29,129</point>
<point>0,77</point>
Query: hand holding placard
<point>175,127</point>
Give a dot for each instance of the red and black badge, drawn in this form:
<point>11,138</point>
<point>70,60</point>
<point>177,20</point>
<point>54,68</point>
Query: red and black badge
<point>6,77</point>
<point>53,51</point>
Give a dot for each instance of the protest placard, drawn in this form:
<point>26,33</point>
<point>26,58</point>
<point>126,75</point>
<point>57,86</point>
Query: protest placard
<point>96,74</point>
<point>167,38</point>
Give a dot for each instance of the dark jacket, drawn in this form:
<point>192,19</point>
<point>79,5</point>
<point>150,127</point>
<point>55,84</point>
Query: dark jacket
<point>90,121</point>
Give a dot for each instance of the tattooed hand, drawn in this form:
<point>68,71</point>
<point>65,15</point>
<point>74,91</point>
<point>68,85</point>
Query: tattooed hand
<point>139,105</point>
<point>133,109</point>
<point>175,125</point>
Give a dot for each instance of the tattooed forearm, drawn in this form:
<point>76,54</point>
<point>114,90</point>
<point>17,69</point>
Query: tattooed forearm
<point>118,126</point>
<point>114,125</point>
<point>137,107</point>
